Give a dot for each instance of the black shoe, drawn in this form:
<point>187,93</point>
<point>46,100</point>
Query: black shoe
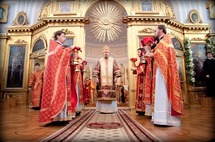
<point>140,113</point>
<point>77,113</point>
<point>35,108</point>
<point>60,123</point>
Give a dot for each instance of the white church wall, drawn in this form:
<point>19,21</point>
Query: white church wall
<point>31,7</point>
<point>183,7</point>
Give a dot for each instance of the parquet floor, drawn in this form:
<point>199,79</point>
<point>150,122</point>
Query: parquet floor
<point>21,124</point>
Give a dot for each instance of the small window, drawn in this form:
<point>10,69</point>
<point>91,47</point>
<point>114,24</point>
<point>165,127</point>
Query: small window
<point>65,7</point>
<point>146,5</point>
<point>68,42</point>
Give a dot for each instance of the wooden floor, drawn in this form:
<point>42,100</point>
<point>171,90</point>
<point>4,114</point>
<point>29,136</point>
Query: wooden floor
<point>21,124</point>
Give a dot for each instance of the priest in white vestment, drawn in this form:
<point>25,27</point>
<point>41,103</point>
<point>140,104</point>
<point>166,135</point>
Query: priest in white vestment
<point>106,72</point>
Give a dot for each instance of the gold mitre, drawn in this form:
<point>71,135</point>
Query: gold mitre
<point>106,48</point>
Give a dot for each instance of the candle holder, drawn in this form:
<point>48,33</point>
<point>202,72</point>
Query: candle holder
<point>84,63</point>
<point>76,58</point>
<point>133,60</point>
<point>77,68</point>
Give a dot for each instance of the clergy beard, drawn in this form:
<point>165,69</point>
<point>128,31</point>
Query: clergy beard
<point>106,55</point>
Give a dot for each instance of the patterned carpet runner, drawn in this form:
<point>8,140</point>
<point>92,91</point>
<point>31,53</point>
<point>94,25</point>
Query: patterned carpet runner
<point>96,127</point>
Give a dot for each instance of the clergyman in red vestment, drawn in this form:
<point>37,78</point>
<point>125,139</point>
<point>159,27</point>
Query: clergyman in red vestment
<point>87,88</point>
<point>147,43</point>
<point>36,84</point>
<point>167,101</point>
<point>140,86</point>
<point>77,86</point>
<point>58,103</point>
<point>144,78</point>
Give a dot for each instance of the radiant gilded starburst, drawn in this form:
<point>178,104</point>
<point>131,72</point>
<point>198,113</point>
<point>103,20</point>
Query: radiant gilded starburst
<point>106,20</point>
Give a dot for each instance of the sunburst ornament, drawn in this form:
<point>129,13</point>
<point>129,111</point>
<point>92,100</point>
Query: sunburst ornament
<point>106,22</point>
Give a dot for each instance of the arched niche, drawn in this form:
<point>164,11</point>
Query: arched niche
<point>38,45</point>
<point>38,52</point>
<point>37,55</point>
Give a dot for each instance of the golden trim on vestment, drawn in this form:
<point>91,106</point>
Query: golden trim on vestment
<point>57,76</point>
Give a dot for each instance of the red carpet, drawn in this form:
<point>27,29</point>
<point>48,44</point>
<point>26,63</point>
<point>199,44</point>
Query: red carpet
<point>95,127</point>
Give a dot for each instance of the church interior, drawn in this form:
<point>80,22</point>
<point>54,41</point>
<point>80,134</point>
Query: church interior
<point>27,26</point>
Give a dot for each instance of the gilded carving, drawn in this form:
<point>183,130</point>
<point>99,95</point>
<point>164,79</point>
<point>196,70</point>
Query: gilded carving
<point>194,16</point>
<point>197,39</point>
<point>44,12</point>
<point>173,34</point>
<point>169,12</point>
<point>42,37</point>
<point>38,53</point>
<point>21,19</point>
<point>147,30</point>
<point>3,13</point>
<point>68,31</point>
<point>20,41</point>
<point>4,36</point>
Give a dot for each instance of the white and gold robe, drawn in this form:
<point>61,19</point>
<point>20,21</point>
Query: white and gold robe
<point>106,71</point>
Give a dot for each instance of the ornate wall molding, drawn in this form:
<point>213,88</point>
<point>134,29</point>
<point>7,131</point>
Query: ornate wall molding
<point>68,32</point>
<point>170,12</point>
<point>147,30</point>
<point>21,41</point>
<point>211,35</point>
<point>197,26</point>
<point>66,19</point>
<point>175,23</point>
<point>197,39</point>
<point>194,17</point>
<point>15,29</point>
<point>60,8</point>
<point>178,36</point>
<point>4,36</point>
<point>38,53</point>
<point>39,25</point>
<point>4,13</point>
<point>21,19</point>
<point>45,22</point>
<point>153,19</point>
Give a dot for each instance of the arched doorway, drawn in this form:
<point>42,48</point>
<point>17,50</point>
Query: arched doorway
<point>37,56</point>
<point>38,53</point>
<point>106,27</point>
